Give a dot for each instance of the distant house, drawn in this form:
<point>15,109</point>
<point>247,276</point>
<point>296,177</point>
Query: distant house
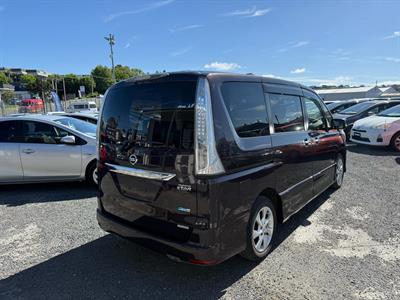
<point>349,93</point>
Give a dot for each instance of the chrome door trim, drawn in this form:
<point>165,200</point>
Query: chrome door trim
<point>162,176</point>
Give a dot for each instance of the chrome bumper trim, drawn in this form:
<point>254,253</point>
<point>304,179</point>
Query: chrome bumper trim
<point>162,176</point>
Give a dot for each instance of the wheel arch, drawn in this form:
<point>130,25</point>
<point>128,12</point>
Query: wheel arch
<point>393,136</point>
<point>271,194</point>
<point>88,165</point>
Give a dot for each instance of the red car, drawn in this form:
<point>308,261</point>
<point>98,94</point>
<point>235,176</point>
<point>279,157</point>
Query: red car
<point>31,106</point>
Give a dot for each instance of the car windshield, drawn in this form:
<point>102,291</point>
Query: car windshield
<point>333,105</point>
<point>78,125</point>
<point>358,108</point>
<point>391,112</point>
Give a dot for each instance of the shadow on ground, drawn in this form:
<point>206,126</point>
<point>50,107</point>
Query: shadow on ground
<point>14,195</point>
<point>372,150</point>
<point>110,267</point>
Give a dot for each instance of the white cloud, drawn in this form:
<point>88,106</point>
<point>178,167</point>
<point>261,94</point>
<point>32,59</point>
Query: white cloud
<point>393,59</point>
<point>345,80</point>
<point>248,13</point>
<point>222,66</point>
<point>392,36</point>
<point>301,44</point>
<point>298,71</point>
<point>180,51</point>
<point>127,45</point>
<point>390,82</point>
<point>184,28</point>
<point>149,7</point>
<point>294,45</point>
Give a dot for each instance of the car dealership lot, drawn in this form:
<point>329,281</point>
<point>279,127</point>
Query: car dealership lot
<point>344,244</point>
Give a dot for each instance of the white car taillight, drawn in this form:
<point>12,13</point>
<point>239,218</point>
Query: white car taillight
<point>207,159</point>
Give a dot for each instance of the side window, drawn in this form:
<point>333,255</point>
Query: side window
<point>374,110</point>
<point>316,117</point>
<point>9,132</point>
<point>286,113</point>
<point>40,133</point>
<point>246,107</point>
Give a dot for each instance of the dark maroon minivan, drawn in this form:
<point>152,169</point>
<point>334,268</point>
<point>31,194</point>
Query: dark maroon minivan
<point>203,166</point>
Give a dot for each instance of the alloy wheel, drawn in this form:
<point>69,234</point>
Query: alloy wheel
<point>339,171</point>
<point>263,228</point>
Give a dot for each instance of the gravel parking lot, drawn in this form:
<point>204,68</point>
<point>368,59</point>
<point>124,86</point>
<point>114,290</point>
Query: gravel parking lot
<point>344,244</point>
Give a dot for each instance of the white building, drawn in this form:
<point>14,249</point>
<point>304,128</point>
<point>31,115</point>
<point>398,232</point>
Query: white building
<point>349,93</point>
<point>388,90</point>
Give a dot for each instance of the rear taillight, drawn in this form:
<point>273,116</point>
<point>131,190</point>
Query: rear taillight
<point>207,159</point>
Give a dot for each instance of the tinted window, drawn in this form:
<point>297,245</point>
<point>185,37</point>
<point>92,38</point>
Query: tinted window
<point>151,115</point>
<point>286,113</point>
<point>316,119</point>
<point>358,108</point>
<point>246,107</point>
<point>37,132</point>
<point>391,112</point>
<point>9,131</point>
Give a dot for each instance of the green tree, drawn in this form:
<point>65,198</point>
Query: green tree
<point>6,96</point>
<point>88,83</point>
<point>124,72</point>
<point>4,78</point>
<point>102,77</point>
<point>30,82</point>
<point>71,84</point>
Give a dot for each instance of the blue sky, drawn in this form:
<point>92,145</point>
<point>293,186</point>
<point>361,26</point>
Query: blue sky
<point>313,42</point>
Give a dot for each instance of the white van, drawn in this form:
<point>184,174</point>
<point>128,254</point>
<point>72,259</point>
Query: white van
<point>82,106</point>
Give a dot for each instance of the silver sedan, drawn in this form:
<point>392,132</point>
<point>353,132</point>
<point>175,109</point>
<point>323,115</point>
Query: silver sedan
<point>37,148</point>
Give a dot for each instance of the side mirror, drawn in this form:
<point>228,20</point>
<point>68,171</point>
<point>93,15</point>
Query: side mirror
<point>338,124</point>
<point>68,139</point>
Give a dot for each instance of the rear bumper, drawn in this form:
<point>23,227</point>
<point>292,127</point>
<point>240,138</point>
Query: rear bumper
<point>185,252</point>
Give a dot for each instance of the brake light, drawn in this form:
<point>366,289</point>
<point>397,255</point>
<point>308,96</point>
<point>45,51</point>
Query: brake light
<point>207,159</point>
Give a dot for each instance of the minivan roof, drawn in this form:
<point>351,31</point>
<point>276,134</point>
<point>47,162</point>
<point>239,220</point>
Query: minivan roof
<point>225,75</point>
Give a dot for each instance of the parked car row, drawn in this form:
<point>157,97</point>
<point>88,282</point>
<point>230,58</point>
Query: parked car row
<point>370,122</point>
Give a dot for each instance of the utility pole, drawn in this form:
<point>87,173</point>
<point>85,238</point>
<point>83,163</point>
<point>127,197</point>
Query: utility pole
<point>111,41</point>
<point>65,94</point>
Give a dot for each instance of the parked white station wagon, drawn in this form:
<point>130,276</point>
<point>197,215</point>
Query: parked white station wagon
<point>382,129</point>
<point>36,148</point>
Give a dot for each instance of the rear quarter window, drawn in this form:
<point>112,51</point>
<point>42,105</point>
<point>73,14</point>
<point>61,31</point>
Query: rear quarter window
<point>246,107</point>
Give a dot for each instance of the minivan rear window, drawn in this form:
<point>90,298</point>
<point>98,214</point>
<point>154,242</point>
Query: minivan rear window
<point>151,115</point>
<point>246,107</point>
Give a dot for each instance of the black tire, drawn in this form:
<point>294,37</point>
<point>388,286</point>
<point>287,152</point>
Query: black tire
<point>90,170</point>
<point>338,181</point>
<point>394,142</point>
<point>251,252</point>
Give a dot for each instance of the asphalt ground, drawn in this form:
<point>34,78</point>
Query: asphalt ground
<point>345,244</point>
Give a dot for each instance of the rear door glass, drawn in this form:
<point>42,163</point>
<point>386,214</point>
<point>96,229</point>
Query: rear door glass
<point>287,114</point>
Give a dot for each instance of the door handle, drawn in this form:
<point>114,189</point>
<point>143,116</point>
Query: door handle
<point>28,151</point>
